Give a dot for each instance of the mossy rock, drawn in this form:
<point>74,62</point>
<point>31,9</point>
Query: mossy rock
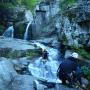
<point>19,54</point>
<point>13,54</point>
<point>16,54</point>
<point>31,54</point>
<point>19,30</point>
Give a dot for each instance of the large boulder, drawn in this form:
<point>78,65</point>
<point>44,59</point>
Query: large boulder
<point>16,48</point>
<point>23,82</point>
<point>7,73</point>
<point>21,65</point>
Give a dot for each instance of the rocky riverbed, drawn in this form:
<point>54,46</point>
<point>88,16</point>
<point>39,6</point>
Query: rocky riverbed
<point>59,26</point>
<point>14,73</point>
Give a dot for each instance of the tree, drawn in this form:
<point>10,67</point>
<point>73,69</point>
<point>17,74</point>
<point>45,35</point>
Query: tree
<point>29,3</point>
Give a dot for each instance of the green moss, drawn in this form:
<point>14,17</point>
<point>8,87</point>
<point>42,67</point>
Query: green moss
<point>81,51</point>
<point>31,54</point>
<point>21,29</point>
<point>15,54</point>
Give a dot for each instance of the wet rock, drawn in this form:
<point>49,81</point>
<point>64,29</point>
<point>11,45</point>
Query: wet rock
<point>52,42</point>
<point>23,82</point>
<point>62,87</point>
<point>15,48</point>
<point>21,65</point>
<point>7,73</point>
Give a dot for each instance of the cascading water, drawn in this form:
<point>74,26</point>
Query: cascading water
<point>26,32</point>
<point>46,69</point>
<point>29,18</point>
<point>9,32</point>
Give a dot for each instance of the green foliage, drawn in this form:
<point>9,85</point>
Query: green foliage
<point>29,3</point>
<point>19,2</point>
<point>66,3</point>
<point>81,51</point>
<point>6,5</point>
<point>86,72</point>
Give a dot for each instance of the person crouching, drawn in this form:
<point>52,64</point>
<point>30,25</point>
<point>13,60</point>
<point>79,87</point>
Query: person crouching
<point>69,70</point>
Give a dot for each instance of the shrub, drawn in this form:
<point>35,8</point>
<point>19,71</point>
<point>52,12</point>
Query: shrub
<point>6,5</point>
<point>81,51</point>
<point>86,72</point>
<point>65,3</point>
<point>29,3</point>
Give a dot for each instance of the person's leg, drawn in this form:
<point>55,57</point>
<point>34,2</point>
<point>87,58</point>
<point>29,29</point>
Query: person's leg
<point>79,79</point>
<point>70,80</point>
<point>63,79</point>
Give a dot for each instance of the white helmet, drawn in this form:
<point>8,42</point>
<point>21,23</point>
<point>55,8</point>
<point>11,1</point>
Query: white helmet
<point>75,55</point>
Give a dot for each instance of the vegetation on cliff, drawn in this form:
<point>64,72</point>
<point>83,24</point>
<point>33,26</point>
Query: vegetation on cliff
<point>64,4</point>
<point>81,51</point>
<point>27,3</point>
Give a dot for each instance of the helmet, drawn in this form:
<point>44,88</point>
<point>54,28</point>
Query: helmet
<point>75,55</point>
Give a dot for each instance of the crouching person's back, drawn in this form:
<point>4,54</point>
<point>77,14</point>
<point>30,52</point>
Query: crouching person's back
<point>69,70</point>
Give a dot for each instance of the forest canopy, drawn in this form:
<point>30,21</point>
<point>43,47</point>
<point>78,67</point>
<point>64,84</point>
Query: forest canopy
<point>27,3</point>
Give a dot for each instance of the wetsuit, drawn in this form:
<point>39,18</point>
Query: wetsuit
<point>66,68</point>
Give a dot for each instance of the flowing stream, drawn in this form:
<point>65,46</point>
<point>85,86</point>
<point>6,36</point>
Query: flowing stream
<point>9,32</point>
<point>46,70</point>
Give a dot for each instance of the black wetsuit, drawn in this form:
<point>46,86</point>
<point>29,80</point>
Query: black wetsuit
<point>66,68</point>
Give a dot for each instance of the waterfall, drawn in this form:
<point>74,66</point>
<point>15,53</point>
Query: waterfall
<point>29,19</point>
<point>26,32</point>
<point>46,69</point>
<point>9,32</point>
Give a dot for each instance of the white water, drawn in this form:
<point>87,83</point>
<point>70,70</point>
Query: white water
<point>9,32</point>
<point>29,18</point>
<point>26,32</point>
<point>46,70</point>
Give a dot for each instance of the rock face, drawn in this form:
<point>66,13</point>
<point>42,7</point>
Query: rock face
<point>74,23</point>
<point>19,16</point>
<point>10,80</point>
<point>81,10</point>
<point>42,22</point>
<point>23,82</point>
<point>11,14</point>
<point>77,24</point>
<point>7,73</point>
<point>16,48</point>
